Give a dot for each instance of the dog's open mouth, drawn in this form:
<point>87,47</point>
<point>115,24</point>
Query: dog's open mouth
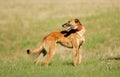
<point>67,27</point>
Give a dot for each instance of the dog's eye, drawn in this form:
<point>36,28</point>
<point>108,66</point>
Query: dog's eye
<point>68,21</point>
<point>76,20</point>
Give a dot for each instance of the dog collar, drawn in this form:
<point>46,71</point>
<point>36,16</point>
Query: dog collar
<point>79,27</point>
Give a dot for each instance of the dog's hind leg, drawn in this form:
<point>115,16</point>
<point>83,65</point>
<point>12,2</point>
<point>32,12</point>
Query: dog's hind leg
<point>41,55</point>
<point>50,54</point>
<point>38,59</point>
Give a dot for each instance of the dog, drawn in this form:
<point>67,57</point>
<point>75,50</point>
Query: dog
<point>72,37</point>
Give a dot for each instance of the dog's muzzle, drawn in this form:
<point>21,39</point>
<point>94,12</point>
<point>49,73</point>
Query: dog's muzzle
<point>67,26</point>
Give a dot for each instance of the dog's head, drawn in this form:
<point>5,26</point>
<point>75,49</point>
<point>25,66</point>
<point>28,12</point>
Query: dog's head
<point>71,24</point>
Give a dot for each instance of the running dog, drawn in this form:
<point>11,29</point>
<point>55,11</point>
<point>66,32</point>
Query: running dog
<point>71,37</point>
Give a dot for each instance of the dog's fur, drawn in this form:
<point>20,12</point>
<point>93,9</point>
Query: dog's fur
<point>71,38</point>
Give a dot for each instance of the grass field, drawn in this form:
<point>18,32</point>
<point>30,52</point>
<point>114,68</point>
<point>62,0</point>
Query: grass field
<point>23,23</point>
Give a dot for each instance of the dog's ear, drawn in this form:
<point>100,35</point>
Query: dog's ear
<point>77,20</point>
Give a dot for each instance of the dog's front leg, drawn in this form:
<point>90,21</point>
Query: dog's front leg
<point>80,56</point>
<point>75,55</point>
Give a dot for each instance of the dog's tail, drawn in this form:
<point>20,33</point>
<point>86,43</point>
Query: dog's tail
<point>37,50</point>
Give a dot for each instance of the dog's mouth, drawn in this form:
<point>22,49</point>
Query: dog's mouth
<point>67,27</point>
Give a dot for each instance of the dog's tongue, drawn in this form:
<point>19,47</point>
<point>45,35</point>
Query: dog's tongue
<point>79,27</point>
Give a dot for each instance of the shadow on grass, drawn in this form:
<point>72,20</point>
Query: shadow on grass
<point>68,63</point>
<point>113,58</point>
<point>43,64</point>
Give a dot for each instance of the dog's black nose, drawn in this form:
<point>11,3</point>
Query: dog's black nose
<point>64,25</point>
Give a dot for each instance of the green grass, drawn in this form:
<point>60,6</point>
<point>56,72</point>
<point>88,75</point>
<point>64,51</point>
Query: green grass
<point>23,24</point>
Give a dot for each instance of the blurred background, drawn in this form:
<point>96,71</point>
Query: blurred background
<point>23,24</point>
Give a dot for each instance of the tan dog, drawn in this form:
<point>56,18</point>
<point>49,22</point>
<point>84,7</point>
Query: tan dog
<point>72,37</point>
